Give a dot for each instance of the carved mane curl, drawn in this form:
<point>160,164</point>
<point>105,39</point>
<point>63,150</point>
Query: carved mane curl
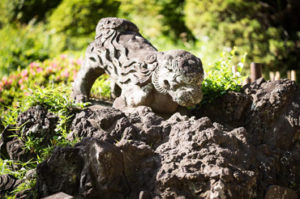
<point>115,56</point>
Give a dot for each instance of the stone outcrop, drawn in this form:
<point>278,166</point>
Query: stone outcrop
<point>242,145</point>
<point>36,123</point>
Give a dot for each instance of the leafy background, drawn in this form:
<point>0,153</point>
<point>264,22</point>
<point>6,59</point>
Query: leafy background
<point>43,44</point>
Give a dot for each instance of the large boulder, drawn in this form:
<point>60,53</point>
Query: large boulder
<point>243,145</point>
<point>35,123</point>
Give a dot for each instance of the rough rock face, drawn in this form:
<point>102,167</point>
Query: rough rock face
<point>8,183</point>
<point>91,167</point>
<point>243,145</point>
<point>36,122</point>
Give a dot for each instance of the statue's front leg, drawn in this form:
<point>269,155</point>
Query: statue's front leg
<point>134,95</point>
<point>87,75</point>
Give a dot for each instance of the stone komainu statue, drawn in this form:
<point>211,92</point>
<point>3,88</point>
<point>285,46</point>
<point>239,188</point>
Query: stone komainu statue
<point>140,75</point>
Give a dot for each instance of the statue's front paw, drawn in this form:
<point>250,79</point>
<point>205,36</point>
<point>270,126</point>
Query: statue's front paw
<point>79,98</point>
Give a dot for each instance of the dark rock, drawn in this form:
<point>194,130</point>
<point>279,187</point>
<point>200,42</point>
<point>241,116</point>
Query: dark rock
<point>25,194</point>
<point>61,172</point>
<point>5,137</point>
<point>90,169</point>
<point>140,162</point>
<point>7,184</point>
<point>235,147</point>
<point>99,122</point>
<point>36,122</point>
<point>144,195</point>
<point>59,195</point>
<point>200,160</point>
<point>278,192</point>
<point>229,110</point>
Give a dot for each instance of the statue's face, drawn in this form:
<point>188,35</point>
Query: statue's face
<point>180,74</point>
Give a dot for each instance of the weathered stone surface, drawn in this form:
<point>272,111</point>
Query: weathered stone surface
<point>59,195</point>
<point>203,160</point>
<point>278,192</point>
<point>230,110</point>
<point>139,154</point>
<point>90,169</point>
<point>140,75</point>
<point>7,183</point>
<point>99,122</point>
<point>36,122</point>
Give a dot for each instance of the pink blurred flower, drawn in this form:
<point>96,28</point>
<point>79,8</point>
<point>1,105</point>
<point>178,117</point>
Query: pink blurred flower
<point>71,61</point>
<point>4,79</point>
<point>49,69</point>
<point>20,81</point>
<point>34,64</point>
<point>32,72</point>
<point>22,86</point>
<point>39,70</point>
<point>66,74</point>
<point>79,62</point>
<point>24,73</point>
<point>54,64</point>
<point>63,56</point>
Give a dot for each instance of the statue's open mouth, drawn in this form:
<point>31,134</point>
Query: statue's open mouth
<point>187,96</point>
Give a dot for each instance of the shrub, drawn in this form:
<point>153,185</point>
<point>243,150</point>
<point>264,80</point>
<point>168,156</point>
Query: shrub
<point>247,25</point>
<point>57,71</point>
<point>25,10</point>
<point>57,101</point>
<point>221,78</point>
<point>24,44</point>
<point>77,17</point>
<point>157,18</point>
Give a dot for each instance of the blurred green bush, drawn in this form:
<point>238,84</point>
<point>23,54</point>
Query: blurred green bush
<point>25,10</point>
<point>77,17</point>
<point>22,45</point>
<point>267,30</point>
<point>162,18</point>
<point>247,25</point>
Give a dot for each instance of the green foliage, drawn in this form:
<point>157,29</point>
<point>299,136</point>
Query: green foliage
<point>145,14</point>
<point>57,71</point>
<point>101,87</point>
<point>18,169</point>
<point>23,44</point>
<point>25,10</point>
<point>246,25</point>
<point>173,18</point>
<point>74,21</point>
<point>221,78</point>
<point>157,18</point>
<point>57,101</point>
<point>77,17</point>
